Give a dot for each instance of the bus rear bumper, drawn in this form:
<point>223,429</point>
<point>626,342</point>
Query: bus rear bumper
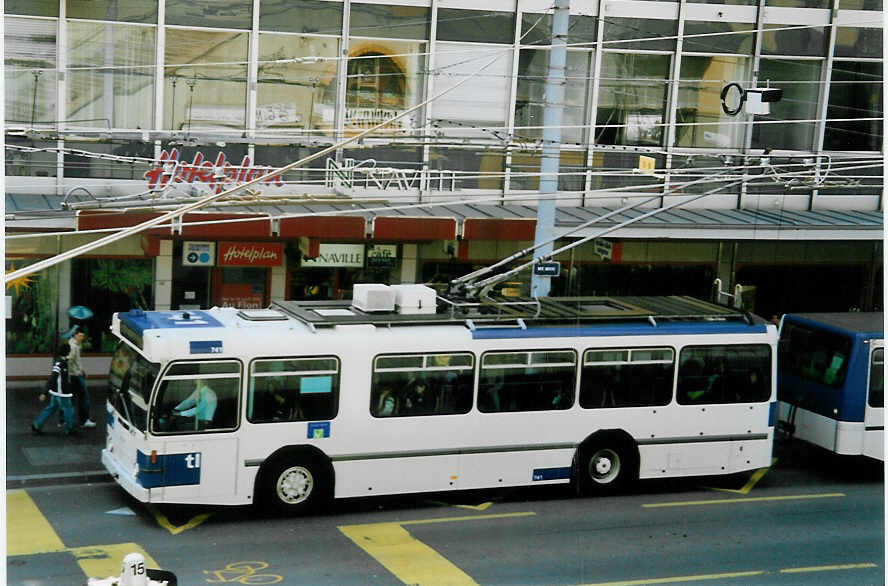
<point>124,478</point>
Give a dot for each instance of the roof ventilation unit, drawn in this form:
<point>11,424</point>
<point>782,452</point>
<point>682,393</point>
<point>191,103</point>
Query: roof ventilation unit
<point>415,299</point>
<point>372,297</point>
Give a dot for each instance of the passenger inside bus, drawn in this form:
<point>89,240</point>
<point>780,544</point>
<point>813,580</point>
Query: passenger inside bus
<point>387,403</point>
<point>420,398</point>
<point>276,403</point>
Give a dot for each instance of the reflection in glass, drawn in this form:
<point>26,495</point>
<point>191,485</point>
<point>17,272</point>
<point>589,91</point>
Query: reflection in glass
<point>392,22</point>
<point>475,26</point>
<point>657,34</point>
<point>27,163</point>
<point>526,170</point>
<point>632,99</point>
<point>858,42</point>
<point>533,67</point>
<point>143,11</point>
<point>799,81</point>
<point>296,95</point>
<point>855,91</point>
<point>700,120</point>
<point>198,91</point>
<point>737,37</point>
<point>229,14</point>
<point>30,58</point>
<point>32,7</point>
<point>384,79</point>
<point>477,108</point>
<point>536,29</point>
<point>800,40</point>
<point>301,16</point>
<point>111,81</point>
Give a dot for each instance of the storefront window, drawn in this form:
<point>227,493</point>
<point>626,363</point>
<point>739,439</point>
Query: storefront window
<point>533,65</point>
<point>311,173</point>
<point>107,286</point>
<point>651,34</point>
<point>30,77</point>
<point>391,22</point>
<point>536,29</point>
<point>34,326</point>
<point>855,92</point>
<point>296,95</point>
<point>470,169</point>
<point>797,40</point>
<point>800,82</point>
<point>384,79</point>
<point>861,5</point>
<point>688,169</point>
<point>197,93</point>
<point>632,99</point>
<point>617,169</point>
<point>210,13</point>
<point>143,11</point>
<point>478,107</point>
<point>29,159</point>
<point>858,42</point>
<point>737,38</point>
<point>475,26</point>
<point>571,171</point>
<point>301,16</point>
<point>99,94</point>
<point>801,3</point>
<point>191,284</point>
<point>700,120</point>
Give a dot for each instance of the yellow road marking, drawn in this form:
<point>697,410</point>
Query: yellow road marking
<point>176,529</point>
<point>757,475</point>
<point>828,568</point>
<point>101,561</point>
<point>481,507</point>
<point>410,560</point>
<point>744,500</point>
<point>674,579</point>
<point>27,530</point>
<point>464,518</point>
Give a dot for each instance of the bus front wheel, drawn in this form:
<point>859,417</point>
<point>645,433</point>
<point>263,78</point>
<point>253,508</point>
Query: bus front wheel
<point>294,487</point>
<point>606,468</point>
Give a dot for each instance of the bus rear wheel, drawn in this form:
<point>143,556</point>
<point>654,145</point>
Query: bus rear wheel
<point>606,468</point>
<point>294,488</point>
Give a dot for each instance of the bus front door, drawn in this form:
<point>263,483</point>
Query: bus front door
<point>874,414</point>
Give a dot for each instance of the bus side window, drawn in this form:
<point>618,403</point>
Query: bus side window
<point>877,379</point>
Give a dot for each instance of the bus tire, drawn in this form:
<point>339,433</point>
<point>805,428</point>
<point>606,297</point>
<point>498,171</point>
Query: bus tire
<point>295,486</point>
<point>606,465</point>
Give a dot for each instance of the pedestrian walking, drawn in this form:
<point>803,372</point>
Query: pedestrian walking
<point>58,385</point>
<point>78,379</point>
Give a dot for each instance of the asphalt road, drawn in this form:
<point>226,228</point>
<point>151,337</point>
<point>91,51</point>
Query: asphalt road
<point>810,520</point>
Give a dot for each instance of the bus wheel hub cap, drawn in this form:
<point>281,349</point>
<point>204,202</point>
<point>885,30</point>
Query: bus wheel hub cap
<point>294,485</point>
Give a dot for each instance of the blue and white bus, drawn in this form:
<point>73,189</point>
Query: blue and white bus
<point>302,402</point>
<point>830,383</point>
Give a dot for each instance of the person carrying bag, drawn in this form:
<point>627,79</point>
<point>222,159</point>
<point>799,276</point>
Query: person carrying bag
<point>58,385</point>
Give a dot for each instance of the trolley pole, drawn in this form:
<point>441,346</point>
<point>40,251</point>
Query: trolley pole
<point>540,285</point>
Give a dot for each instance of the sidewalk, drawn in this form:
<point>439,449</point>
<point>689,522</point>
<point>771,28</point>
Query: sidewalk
<point>53,457</point>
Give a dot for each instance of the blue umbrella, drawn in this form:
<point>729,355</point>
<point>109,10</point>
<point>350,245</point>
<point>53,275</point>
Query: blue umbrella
<point>79,312</point>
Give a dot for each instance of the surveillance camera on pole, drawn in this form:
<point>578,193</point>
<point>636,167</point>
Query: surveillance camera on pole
<point>756,100</point>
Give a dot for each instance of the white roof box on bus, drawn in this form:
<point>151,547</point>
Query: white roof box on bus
<point>415,299</point>
<point>373,297</point>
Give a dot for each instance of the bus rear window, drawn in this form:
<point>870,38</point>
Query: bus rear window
<point>814,355</point>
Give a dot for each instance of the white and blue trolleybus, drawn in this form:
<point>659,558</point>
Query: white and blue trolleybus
<point>831,376</point>
<point>290,406</point>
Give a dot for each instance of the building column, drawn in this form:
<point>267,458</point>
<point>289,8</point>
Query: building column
<point>278,289</point>
<point>409,262</point>
<point>163,276</point>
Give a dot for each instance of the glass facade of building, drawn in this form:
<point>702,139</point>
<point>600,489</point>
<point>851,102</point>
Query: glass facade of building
<point>261,74</point>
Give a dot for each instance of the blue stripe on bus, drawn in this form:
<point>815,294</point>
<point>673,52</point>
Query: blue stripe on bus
<point>139,321</point>
<point>772,414</point>
<point>551,473</point>
<point>634,329</point>
<point>168,469</point>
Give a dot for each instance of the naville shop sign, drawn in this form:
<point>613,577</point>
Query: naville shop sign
<point>250,254</point>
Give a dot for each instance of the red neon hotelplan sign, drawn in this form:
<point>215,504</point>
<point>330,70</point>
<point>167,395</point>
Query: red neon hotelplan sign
<point>219,175</point>
<point>250,254</point>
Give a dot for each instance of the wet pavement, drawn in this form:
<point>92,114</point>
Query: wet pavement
<point>52,457</point>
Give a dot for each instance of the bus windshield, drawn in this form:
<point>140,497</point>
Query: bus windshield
<point>129,383</point>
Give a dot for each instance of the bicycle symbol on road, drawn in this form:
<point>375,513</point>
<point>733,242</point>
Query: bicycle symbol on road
<point>244,573</point>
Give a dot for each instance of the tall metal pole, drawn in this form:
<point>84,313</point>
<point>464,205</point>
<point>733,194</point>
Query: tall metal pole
<point>552,116</point>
